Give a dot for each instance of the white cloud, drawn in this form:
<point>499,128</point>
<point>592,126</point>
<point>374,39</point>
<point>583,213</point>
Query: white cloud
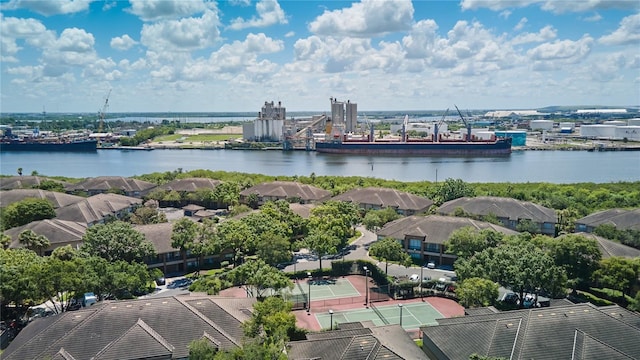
<point>153,10</point>
<point>14,29</point>
<point>269,13</point>
<point>555,6</point>
<point>422,40</point>
<point>553,55</point>
<point>594,18</point>
<point>366,18</point>
<point>182,35</point>
<point>505,14</point>
<point>628,32</point>
<point>242,56</point>
<point>545,34</point>
<point>521,24</point>
<point>290,34</point>
<point>48,8</point>
<point>122,43</point>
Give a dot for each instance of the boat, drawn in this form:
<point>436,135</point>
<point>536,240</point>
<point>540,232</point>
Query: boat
<point>11,142</point>
<point>497,146</point>
<point>435,145</point>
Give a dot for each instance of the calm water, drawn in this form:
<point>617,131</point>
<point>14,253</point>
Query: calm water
<point>521,166</point>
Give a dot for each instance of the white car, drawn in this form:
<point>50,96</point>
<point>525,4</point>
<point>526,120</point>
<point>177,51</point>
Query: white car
<point>431,265</point>
<point>414,277</point>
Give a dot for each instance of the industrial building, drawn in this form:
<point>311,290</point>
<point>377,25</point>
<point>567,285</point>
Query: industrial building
<point>612,130</point>
<point>344,114</point>
<point>269,124</point>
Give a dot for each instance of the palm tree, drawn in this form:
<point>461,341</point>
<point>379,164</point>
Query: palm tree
<point>33,241</point>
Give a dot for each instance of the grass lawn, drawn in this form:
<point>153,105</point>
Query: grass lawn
<point>198,138</point>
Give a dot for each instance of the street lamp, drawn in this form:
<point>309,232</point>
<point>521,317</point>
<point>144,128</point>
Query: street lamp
<point>400,306</point>
<point>366,286</point>
<point>421,282</point>
<point>331,321</point>
<point>309,294</point>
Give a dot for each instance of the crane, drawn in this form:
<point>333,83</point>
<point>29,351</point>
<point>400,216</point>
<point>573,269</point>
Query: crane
<point>102,113</point>
<point>436,128</point>
<point>466,125</point>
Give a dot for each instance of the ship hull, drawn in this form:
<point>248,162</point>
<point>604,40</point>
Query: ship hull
<point>493,148</point>
<point>75,146</point>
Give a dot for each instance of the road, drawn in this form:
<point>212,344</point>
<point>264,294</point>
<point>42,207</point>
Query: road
<point>360,252</point>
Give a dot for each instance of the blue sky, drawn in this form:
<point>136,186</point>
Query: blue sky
<point>207,56</point>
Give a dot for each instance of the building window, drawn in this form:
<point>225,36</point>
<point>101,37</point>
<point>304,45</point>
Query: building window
<point>433,247</point>
<point>415,244</point>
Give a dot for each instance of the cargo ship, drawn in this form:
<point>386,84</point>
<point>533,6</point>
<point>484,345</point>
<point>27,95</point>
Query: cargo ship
<point>11,142</point>
<point>435,145</point>
<point>497,146</point>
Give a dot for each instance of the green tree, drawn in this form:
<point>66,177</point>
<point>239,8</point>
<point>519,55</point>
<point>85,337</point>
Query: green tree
<point>274,248</point>
<point>526,225</point>
<point>25,211</point>
<point>389,249</point>
<point>375,219</point>
<point>183,237</point>
<point>322,243</point>
<point>579,256</point>
<point>226,194</point>
<point>116,241</point>
<point>467,241</point>
<point>5,241</point>
<point>474,292</point>
<point>238,237</point>
<point>33,241</point>
<point>202,349</point>
<point>272,320</point>
<point>20,270</point>
<point>450,189</point>
<point>145,215</point>
<point>257,277</point>
<point>618,273</point>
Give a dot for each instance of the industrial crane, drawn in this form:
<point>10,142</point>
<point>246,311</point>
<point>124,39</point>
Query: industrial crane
<point>102,113</point>
<point>436,128</point>
<point>466,125</point>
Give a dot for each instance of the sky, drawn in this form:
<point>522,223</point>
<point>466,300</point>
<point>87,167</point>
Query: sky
<point>232,56</point>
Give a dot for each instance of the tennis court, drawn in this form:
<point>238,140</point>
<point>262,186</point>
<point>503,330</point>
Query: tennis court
<point>414,315</point>
<point>322,289</point>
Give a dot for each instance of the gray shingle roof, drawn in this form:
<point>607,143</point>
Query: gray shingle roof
<point>59,232</point>
<point>23,182</point>
<point>436,228</point>
<point>384,197</point>
<point>105,183</point>
<point>95,208</point>
<point>159,235</point>
<point>288,189</point>
<point>56,199</point>
<point>354,343</point>
<point>190,184</point>
<point>611,248</point>
<point>620,218</point>
<point>128,329</point>
<point>501,207</point>
<point>546,333</point>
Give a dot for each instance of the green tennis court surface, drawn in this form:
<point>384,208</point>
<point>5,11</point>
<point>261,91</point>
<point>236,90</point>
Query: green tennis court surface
<point>414,315</point>
<point>325,289</point>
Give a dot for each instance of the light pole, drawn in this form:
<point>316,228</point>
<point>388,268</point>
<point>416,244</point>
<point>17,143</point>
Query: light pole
<point>421,282</point>
<point>366,286</point>
<point>400,306</point>
<point>331,321</point>
<point>309,294</point>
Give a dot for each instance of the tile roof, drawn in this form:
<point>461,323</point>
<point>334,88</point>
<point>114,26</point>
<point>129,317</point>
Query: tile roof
<point>105,183</point>
<point>56,199</point>
<point>288,189</point>
<point>22,182</point>
<point>436,228</point>
<point>190,184</point>
<point>620,218</point>
<point>96,208</point>
<point>501,207</point>
<point>385,197</point>
<point>130,329</point>
<point>545,333</point>
<point>58,232</point>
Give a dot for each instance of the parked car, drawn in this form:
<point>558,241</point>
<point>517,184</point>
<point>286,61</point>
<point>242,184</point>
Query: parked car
<point>414,277</point>
<point>161,281</point>
<point>431,265</point>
